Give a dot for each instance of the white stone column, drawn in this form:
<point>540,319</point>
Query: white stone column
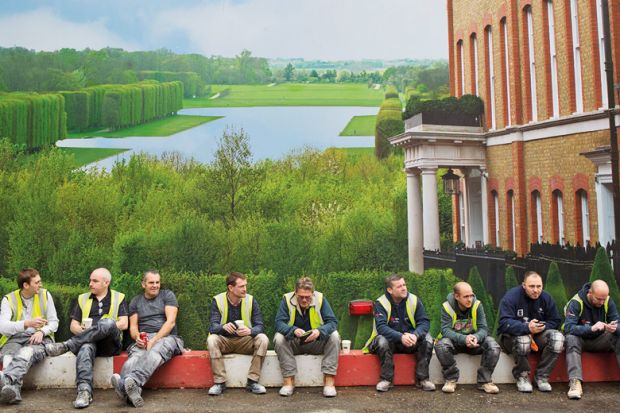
<point>485,206</point>
<point>414,223</point>
<point>430,208</point>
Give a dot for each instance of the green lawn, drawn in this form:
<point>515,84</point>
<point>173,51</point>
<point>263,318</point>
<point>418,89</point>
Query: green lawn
<point>162,127</point>
<point>291,94</point>
<point>84,156</point>
<point>358,152</point>
<point>360,126</point>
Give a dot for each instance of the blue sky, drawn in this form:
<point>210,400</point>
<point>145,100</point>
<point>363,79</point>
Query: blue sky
<point>315,29</point>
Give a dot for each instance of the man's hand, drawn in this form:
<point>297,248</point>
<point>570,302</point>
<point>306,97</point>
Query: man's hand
<point>611,327</point>
<point>140,343</point>
<point>471,341</point>
<point>243,331</point>
<point>35,322</point>
<point>299,332</point>
<point>599,326</point>
<point>150,344</point>
<point>535,327</point>
<point>313,336</point>
<point>409,340</point>
<point>36,338</point>
<point>230,328</point>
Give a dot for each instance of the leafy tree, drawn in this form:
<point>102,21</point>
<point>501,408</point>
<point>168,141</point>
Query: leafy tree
<point>288,72</point>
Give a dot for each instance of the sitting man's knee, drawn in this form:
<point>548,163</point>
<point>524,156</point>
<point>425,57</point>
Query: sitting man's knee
<point>443,345</point>
<point>556,341</point>
<point>523,345</point>
<point>573,343</point>
<point>261,341</point>
<point>381,342</point>
<point>334,338</point>
<point>279,340</point>
<point>213,341</point>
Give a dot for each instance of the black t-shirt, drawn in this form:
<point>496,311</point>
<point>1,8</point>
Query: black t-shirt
<point>152,312</point>
<point>99,308</point>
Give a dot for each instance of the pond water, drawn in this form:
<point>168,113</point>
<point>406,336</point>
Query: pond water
<point>273,132</point>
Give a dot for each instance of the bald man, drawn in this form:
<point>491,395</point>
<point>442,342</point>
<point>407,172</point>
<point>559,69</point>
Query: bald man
<point>464,330</point>
<point>591,325</point>
<point>106,311</point>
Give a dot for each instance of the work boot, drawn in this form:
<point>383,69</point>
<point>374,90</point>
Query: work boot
<point>55,349</point>
<point>254,387</point>
<point>329,386</point>
<point>543,385</point>
<point>134,392</point>
<point>118,387</point>
<point>488,388</point>
<point>217,389</point>
<point>449,386</point>
<point>383,385</point>
<point>288,387</point>
<point>524,385</point>
<point>83,399</point>
<point>426,385</point>
<point>574,389</point>
<point>8,394</point>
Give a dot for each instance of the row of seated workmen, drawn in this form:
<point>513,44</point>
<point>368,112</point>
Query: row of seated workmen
<point>305,324</point>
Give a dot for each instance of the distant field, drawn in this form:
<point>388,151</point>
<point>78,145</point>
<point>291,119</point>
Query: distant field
<point>84,156</point>
<point>360,126</point>
<point>290,94</point>
<point>358,152</point>
<point>162,127</point>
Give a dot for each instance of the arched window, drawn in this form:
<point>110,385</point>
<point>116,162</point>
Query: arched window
<point>510,217</point>
<point>557,209</point>
<point>490,75</point>
<point>601,52</point>
<point>473,42</point>
<point>553,61</point>
<point>494,224</point>
<point>536,212</point>
<point>582,218</point>
<point>576,56</point>
<point>460,67</point>
<point>529,22</point>
<point>506,70</point>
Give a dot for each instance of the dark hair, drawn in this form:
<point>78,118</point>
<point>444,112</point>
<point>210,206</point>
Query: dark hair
<point>391,278</point>
<point>304,283</point>
<point>529,274</point>
<point>25,275</point>
<point>151,271</point>
<point>231,279</point>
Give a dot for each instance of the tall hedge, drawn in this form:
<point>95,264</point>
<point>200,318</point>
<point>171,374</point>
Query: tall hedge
<point>77,106</point>
<point>475,280</point>
<point>389,123</point>
<point>193,85</point>
<point>601,270</point>
<point>554,285</point>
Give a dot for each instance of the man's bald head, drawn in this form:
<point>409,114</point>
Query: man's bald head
<point>598,293</point>
<point>463,295</point>
<point>599,286</point>
<point>104,273</point>
<point>461,287</point>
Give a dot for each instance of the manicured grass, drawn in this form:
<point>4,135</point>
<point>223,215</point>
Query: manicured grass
<point>162,127</point>
<point>291,94</point>
<point>360,126</point>
<point>84,156</point>
<point>358,152</point>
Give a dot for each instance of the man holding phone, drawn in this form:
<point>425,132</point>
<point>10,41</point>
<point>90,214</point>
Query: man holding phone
<point>528,321</point>
<point>591,325</point>
<point>306,324</point>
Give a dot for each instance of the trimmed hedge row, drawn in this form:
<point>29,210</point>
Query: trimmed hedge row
<point>466,110</point>
<point>192,83</point>
<point>32,120</point>
<point>389,123</point>
<point>118,106</point>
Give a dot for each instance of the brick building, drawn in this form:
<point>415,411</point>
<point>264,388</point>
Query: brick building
<point>545,172</point>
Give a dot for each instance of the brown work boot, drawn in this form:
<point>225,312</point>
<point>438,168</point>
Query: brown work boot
<point>574,390</point>
<point>489,388</point>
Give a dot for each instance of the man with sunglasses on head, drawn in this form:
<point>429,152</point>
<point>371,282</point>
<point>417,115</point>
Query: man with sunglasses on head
<point>106,310</point>
<point>306,324</point>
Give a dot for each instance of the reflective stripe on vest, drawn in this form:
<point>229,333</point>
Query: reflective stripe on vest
<point>316,320</point>
<point>39,308</point>
<point>412,305</point>
<point>474,315</point>
<point>246,308</point>
<point>580,301</point>
<point>86,303</point>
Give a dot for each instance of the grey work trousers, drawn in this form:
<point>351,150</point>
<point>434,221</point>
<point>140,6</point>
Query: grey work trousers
<point>24,356</point>
<point>385,349</point>
<point>102,339</point>
<point>606,342</point>
<point>288,349</point>
<point>445,349</point>
<point>550,343</point>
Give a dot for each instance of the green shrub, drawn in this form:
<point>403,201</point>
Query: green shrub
<point>391,92</point>
<point>510,278</point>
<point>475,280</point>
<point>554,285</point>
<point>601,270</point>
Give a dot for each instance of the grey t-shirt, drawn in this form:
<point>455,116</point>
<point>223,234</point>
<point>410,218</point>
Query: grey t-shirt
<point>152,313</point>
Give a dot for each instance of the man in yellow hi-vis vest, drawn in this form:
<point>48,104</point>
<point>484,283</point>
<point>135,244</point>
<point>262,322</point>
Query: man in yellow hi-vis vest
<point>464,330</point>
<point>236,326</point>
<point>27,321</point>
<point>400,326</point>
<point>106,311</point>
<point>306,324</point>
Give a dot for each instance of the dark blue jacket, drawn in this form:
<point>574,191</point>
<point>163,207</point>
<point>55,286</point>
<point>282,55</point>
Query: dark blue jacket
<point>399,322</point>
<point>581,325</point>
<point>516,310</point>
<point>330,322</point>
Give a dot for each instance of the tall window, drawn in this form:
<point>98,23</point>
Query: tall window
<point>537,217</point>
<point>507,73</point>
<point>461,67</point>
<point>558,217</point>
<point>576,56</point>
<point>496,216</point>
<point>491,75</point>
<point>601,51</point>
<point>530,42</point>
<point>553,60</point>
<point>474,63</point>
<point>461,217</point>
<point>510,214</point>
<point>583,217</point>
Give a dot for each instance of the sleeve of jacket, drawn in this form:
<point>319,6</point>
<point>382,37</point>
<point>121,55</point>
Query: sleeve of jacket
<point>383,328</point>
<point>282,318</point>
<point>422,322</point>
<point>613,314</point>
<point>258,326</point>
<point>509,323</point>
<point>553,320</point>
<point>330,322</point>
<point>481,324</point>
<point>571,322</point>
<point>446,328</point>
<point>215,321</point>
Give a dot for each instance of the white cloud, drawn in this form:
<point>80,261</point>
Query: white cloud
<point>324,29</point>
<point>42,29</point>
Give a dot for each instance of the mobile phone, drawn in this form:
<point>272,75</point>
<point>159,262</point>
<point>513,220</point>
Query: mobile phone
<point>542,322</point>
<point>305,336</point>
<point>614,322</point>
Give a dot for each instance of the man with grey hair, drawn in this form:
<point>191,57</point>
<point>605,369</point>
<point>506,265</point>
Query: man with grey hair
<point>27,321</point>
<point>97,321</point>
<point>306,324</point>
<point>152,315</point>
<point>591,325</point>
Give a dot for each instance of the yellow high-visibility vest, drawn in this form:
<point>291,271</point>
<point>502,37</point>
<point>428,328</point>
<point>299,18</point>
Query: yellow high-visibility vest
<point>316,320</point>
<point>411,305</point>
<point>39,308</point>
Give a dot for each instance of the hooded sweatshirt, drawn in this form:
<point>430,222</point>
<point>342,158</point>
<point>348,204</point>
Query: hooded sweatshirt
<point>581,324</point>
<point>399,322</point>
<point>517,309</point>
<point>464,319</point>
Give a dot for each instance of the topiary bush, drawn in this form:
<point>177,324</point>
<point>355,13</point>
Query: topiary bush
<point>554,285</point>
<point>601,270</point>
<point>475,280</point>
